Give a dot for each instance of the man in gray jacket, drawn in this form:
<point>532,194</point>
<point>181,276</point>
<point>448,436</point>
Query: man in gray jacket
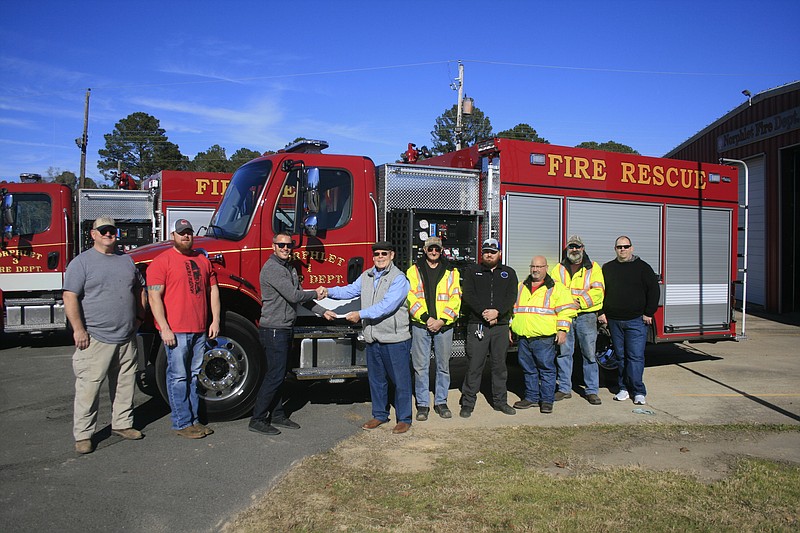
<point>280,296</point>
<point>384,317</point>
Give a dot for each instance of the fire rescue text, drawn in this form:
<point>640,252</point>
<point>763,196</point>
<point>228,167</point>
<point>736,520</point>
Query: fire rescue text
<point>567,166</point>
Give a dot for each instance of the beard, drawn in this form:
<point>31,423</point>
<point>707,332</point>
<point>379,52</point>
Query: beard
<point>182,246</point>
<point>575,257</point>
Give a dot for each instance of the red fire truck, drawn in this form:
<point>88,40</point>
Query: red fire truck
<point>681,217</point>
<point>45,225</point>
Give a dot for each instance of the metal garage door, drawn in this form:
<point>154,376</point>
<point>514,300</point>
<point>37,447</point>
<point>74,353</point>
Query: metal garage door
<point>756,265</point>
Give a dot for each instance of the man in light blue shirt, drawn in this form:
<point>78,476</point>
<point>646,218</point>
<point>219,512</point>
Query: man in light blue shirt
<point>384,317</point>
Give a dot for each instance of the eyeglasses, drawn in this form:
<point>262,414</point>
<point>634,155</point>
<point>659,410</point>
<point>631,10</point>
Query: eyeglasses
<point>538,266</point>
<point>107,230</point>
<point>282,245</point>
<point>380,253</point>
<point>434,248</point>
<point>574,246</point>
<point>622,246</point>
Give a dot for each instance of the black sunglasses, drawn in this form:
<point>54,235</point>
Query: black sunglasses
<point>434,248</point>
<point>289,245</point>
<point>380,253</point>
<point>622,246</point>
<point>106,230</point>
<point>574,246</point>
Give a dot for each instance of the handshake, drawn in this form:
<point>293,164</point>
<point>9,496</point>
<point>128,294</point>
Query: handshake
<point>322,292</point>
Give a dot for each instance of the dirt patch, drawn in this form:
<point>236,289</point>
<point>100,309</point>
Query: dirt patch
<point>706,456</point>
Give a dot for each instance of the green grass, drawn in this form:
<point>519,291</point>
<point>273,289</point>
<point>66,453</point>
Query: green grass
<point>529,479</point>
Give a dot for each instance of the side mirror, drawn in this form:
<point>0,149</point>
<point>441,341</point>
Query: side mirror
<point>312,191</point>
<point>7,217</point>
<point>310,225</point>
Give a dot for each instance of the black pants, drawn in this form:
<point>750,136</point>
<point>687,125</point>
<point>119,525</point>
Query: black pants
<point>495,345</point>
<point>276,343</point>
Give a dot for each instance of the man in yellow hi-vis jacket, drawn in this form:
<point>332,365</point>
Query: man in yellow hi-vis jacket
<point>543,315</point>
<point>585,280</point>
<point>434,302</point>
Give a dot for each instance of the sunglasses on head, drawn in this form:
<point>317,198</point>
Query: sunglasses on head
<point>107,230</point>
<point>574,246</point>
<point>380,253</point>
<point>434,248</point>
<point>622,246</point>
<point>289,245</point>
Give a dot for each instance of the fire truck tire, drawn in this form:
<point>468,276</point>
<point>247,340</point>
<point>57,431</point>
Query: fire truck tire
<point>231,372</point>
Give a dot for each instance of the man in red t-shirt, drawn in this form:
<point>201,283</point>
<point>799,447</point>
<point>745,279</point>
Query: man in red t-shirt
<point>179,283</point>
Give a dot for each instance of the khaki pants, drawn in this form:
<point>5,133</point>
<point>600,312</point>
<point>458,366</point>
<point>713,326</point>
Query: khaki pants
<point>117,362</point>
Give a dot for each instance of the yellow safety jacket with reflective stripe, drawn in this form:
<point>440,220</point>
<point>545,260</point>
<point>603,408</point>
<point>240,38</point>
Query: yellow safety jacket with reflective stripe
<point>587,285</point>
<point>546,311</point>
<point>448,296</point>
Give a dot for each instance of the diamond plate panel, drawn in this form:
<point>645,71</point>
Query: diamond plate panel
<point>121,205</point>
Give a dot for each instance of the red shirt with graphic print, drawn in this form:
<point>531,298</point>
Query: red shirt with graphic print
<point>186,280</point>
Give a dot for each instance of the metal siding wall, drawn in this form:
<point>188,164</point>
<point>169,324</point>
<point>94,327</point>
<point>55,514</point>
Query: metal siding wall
<point>599,223</point>
<point>533,227</point>
<point>697,267</point>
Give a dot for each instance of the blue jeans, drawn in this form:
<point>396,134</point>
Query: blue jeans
<point>183,366</point>
<point>390,362</point>
<point>276,343</point>
<point>537,357</point>
<point>584,327</point>
<point>421,358</point>
<point>629,338</point>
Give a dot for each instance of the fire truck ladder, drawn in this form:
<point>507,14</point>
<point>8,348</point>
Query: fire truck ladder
<point>744,228</point>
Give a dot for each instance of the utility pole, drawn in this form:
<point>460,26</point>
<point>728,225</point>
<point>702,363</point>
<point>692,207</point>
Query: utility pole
<point>84,141</point>
<point>460,88</point>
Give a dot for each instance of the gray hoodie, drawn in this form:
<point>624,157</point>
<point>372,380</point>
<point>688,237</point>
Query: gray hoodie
<point>281,294</point>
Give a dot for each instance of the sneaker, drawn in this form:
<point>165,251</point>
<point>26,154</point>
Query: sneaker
<point>285,423</point>
<point>128,433</point>
<point>84,446</point>
<point>639,399</point>
<point>506,409</point>
<point>524,404</point>
<point>190,432</point>
<point>466,412</point>
<point>622,395</point>
<point>422,413</point>
<point>442,410</point>
<point>205,429</point>
<point>546,408</point>
<point>563,396</point>
<point>263,427</point>
<point>593,399</point>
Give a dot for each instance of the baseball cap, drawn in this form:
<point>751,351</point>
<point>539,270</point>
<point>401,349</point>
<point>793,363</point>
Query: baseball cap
<point>383,245</point>
<point>574,239</point>
<point>433,241</point>
<point>103,220</point>
<point>491,245</point>
<point>181,225</point>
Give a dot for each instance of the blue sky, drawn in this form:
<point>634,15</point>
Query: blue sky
<point>369,77</point>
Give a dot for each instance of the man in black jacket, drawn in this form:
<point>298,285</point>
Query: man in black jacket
<point>631,300</point>
<point>489,292</point>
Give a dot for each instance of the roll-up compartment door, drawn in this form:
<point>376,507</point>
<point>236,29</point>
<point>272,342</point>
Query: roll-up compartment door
<point>697,269</point>
<point>532,226</point>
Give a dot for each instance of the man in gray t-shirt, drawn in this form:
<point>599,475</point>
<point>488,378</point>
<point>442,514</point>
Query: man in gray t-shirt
<point>104,303</point>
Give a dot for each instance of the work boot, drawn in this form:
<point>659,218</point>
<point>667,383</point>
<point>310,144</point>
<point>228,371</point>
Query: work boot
<point>190,432</point>
<point>506,409</point>
<point>204,429</point>
<point>443,411</point>
<point>563,396</point>
<point>84,446</point>
<point>128,433</point>
<point>524,404</point>
<point>422,413</point>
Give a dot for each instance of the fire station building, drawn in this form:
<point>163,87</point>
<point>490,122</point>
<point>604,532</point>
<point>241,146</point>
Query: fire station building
<point>764,133</point>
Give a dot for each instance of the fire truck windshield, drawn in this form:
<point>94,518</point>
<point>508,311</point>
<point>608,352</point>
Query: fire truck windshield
<point>241,197</point>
